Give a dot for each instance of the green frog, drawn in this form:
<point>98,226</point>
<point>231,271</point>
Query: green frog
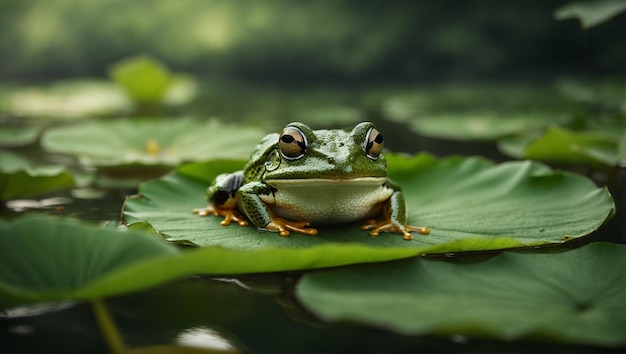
<point>303,177</point>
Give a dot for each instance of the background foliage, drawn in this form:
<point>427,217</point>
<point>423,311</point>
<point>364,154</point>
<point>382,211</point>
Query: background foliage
<point>299,40</point>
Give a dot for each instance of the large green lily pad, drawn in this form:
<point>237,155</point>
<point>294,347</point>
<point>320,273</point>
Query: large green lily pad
<point>150,142</point>
<point>574,296</point>
<point>20,178</point>
<point>468,203</point>
<point>561,145</point>
<point>46,259</point>
<point>43,259</point>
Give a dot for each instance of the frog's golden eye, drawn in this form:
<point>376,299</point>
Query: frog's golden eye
<point>292,143</point>
<point>373,144</point>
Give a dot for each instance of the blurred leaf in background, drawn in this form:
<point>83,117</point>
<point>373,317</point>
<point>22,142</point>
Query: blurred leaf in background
<point>591,13</point>
<point>143,78</point>
<point>560,145</point>
<point>20,178</point>
<point>131,145</point>
<point>67,99</point>
<point>18,136</point>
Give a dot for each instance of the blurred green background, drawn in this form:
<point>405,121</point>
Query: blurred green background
<point>297,41</point>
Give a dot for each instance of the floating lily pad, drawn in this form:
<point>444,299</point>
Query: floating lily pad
<point>68,100</point>
<point>143,78</point>
<point>147,80</point>
<point>560,145</point>
<point>468,203</point>
<point>472,125</point>
<point>18,136</point>
<point>45,259</point>
<point>134,144</point>
<point>601,94</point>
<point>575,296</point>
<point>42,259</point>
<point>478,126</point>
<point>20,178</point>
<point>483,112</point>
<point>591,13</point>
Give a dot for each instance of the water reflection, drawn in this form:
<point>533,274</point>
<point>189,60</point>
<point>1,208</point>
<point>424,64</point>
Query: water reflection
<point>35,309</point>
<point>81,203</point>
<point>204,337</point>
<point>21,205</point>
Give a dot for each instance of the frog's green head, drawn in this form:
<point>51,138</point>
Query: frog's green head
<point>301,153</point>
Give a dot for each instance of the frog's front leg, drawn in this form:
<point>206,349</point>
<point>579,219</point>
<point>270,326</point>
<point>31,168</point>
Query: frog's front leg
<point>394,214</point>
<point>253,199</point>
<point>222,197</point>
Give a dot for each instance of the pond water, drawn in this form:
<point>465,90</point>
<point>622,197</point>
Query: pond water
<point>244,314</point>
<point>250,314</point>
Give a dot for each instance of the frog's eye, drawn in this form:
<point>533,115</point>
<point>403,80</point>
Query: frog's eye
<point>292,143</point>
<point>373,144</point>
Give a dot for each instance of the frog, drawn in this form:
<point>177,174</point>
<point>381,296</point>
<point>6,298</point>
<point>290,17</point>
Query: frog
<point>300,178</point>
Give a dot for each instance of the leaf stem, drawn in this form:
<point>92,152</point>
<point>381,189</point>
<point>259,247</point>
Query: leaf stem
<point>107,326</point>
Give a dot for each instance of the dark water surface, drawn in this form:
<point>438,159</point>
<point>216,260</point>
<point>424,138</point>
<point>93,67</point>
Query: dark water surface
<point>225,314</point>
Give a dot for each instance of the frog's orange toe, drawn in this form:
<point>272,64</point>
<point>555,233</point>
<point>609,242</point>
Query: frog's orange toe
<point>377,227</point>
<point>283,227</point>
<point>424,230</point>
<point>229,215</point>
<point>201,211</point>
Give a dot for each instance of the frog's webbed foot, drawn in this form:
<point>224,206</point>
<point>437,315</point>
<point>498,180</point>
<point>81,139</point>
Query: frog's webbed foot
<point>283,227</point>
<point>389,226</point>
<point>229,215</point>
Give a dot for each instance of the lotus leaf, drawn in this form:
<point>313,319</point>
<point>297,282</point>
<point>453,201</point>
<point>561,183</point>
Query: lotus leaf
<point>42,259</point>
<point>573,296</point>
<point>468,203</point>
<point>147,142</point>
<point>147,80</point>
<point>18,136</point>
<point>465,118</point>
<point>144,78</point>
<point>560,145</point>
<point>20,178</point>
<point>71,99</point>
<point>478,126</point>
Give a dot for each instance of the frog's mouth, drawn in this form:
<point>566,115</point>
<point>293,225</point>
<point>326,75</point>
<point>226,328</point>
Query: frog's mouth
<point>326,182</point>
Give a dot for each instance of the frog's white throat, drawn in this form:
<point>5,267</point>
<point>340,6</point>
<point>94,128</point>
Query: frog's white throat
<point>327,200</point>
